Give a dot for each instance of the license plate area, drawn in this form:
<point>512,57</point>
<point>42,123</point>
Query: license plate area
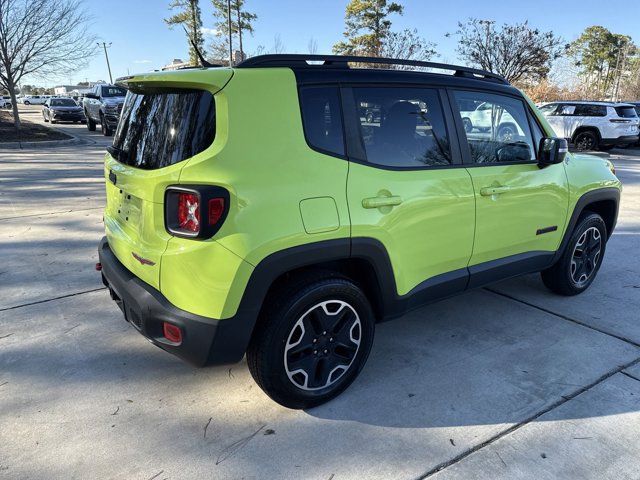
<point>128,208</point>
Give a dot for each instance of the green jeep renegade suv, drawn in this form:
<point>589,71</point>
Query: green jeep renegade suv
<point>283,207</point>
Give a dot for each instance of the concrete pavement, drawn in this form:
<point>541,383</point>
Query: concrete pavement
<point>506,382</point>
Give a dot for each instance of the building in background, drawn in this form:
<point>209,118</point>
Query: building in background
<point>74,90</point>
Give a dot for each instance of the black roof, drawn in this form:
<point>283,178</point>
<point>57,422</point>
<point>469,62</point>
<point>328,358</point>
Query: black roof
<point>339,64</point>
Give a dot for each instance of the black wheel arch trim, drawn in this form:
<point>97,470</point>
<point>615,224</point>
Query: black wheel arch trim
<point>590,197</point>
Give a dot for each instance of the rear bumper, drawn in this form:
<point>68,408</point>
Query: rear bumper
<point>624,140</point>
<point>205,341</point>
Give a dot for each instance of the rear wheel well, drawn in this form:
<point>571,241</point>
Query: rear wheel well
<point>359,271</point>
<point>579,130</point>
<point>606,209</point>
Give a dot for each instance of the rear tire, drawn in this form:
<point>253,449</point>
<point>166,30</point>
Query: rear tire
<point>311,342</point>
<point>578,266</point>
<point>106,130</point>
<point>507,132</point>
<point>91,125</point>
<point>585,141</point>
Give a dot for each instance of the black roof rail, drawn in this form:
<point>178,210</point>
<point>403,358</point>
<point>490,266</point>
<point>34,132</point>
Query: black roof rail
<point>342,61</point>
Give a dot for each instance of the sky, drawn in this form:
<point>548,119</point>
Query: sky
<point>140,40</point>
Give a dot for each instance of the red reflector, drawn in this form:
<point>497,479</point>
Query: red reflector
<point>216,209</point>
<point>98,266</point>
<point>189,211</point>
<point>172,332</point>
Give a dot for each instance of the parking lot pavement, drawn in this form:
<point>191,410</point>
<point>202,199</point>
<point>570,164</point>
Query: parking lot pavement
<point>33,113</point>
<point>592,436</point>
<point>613,302</point>
<point>478,386</point>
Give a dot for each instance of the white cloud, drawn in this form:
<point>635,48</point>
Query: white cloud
<point>209,32</point>
<point>142,61</point>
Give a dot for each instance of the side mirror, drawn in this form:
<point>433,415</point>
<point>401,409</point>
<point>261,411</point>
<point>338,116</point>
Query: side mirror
<point>552,151</point>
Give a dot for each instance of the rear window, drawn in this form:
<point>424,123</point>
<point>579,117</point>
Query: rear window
<point>626,112</point>
<point>63,102</point>
<point>160,129</point>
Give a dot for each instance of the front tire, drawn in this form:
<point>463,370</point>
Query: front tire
<point>581,260</point>
<point>312,342</point>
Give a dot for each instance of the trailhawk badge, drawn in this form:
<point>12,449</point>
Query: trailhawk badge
<point>142,260</point>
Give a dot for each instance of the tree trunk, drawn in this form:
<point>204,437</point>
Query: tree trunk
<point>14,103</point>
<point>239,30</point>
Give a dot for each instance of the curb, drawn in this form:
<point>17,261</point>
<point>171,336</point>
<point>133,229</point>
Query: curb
<point>43,144</point>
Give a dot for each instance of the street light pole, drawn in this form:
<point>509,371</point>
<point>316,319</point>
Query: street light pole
<point>105,46</point>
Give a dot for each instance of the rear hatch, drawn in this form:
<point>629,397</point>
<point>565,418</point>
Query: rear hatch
<point>167,118</point>
<point>627,122</point>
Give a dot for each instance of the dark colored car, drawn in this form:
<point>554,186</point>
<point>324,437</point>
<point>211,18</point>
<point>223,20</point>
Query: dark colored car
<point>62,110</point>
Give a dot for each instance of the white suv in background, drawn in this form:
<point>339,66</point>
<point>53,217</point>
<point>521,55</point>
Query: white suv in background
<point>594,125</point>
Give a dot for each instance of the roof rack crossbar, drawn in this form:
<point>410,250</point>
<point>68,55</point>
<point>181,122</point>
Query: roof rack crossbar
<point>342,61</point>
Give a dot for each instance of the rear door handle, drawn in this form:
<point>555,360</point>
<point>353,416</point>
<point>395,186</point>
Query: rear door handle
<point>377,202</point>
<point>488,191</point>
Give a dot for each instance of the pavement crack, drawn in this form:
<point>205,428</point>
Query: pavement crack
<point>7,335</point>
<point>51,213</point>
<point>631,376</point>
<point>157,475</point>
<point>563,399</point>
<point>564,317</point>
<point>52,299</point>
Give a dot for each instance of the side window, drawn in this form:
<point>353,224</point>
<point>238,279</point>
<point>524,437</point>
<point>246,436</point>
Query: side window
<point>549,109</point>
<point>322,118</point>
<point>567,110</point>
<point>590,110</point>
<point>498,134</point>
<point>402,127</point>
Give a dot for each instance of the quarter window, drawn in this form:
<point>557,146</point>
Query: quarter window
<point>402,127</point>
<point>322,118</point>
<point>497,129</point>
<point>587,110</point>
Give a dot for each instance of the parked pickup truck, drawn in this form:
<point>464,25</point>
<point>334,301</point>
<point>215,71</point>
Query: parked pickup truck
<point>103,105</point>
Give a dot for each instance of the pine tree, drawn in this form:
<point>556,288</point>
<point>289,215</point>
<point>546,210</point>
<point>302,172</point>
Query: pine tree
<point>241,21</point>
<point>367,27</point>
<point>189,16</point>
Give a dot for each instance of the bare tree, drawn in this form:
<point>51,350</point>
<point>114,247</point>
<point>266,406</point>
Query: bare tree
<point>312,46</point>
<point>278,46</point>
<point>41,37</point>
<point>517,52</point>
<point>407,45</point>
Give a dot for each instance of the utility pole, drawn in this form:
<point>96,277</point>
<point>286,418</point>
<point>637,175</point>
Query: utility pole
<point>230,37</point>
<point>105,46</point>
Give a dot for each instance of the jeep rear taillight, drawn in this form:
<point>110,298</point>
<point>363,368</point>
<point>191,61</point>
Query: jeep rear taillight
<point>195,211</point>
<point>189,212</point>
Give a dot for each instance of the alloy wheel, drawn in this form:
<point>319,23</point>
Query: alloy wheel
<point>506,134</point>
<point>586,255</point>
<point>585,142</point>
<point>322,345</point>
